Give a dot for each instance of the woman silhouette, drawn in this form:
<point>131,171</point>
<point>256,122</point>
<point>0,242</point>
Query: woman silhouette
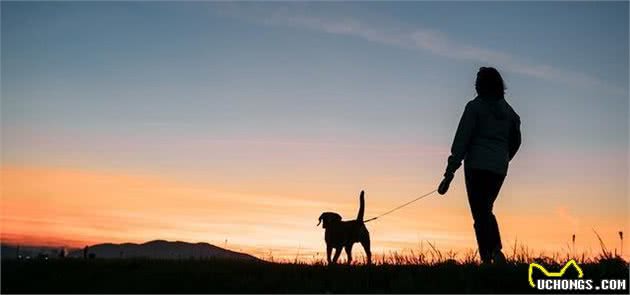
<point>487,138</point>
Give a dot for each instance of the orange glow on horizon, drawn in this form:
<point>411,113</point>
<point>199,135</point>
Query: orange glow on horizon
<point>74,208</point>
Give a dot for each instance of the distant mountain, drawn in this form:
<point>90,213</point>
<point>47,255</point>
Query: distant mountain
<point>163,250</point>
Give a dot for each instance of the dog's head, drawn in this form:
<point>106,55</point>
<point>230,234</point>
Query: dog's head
<point>329,218</point>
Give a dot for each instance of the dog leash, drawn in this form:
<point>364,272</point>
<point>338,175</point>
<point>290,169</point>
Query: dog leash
<point>403,205</point>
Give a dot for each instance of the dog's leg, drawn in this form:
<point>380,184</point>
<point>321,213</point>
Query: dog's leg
<point>328,253</point>
<point>366,247</point>
<point>337,253</point>
<point>349,253</point>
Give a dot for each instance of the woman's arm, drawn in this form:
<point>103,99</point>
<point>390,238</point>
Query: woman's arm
<point>515,137</point>
<point>462,139</point>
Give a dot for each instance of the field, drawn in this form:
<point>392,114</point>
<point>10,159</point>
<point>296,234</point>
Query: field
<point>222,276</point>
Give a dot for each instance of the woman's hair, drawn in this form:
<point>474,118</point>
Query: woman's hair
<point>489,83</point>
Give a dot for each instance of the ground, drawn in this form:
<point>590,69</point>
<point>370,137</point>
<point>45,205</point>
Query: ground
<point>220,276</point>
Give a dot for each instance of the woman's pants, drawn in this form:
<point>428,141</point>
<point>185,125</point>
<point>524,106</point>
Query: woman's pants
<point>483,188</point>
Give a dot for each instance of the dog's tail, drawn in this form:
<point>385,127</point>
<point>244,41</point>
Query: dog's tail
<point>361,207</point>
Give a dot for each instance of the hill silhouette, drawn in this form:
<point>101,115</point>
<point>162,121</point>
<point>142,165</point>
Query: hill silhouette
<point>161,249</point>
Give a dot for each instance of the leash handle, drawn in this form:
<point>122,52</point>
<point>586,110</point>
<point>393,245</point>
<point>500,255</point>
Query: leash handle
<point>401,206</point>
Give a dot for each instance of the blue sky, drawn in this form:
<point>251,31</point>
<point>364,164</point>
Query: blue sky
<point>148,87</point>
<point>174,57</point>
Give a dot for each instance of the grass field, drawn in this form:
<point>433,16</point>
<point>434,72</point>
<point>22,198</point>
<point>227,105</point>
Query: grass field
<point>220,276</point>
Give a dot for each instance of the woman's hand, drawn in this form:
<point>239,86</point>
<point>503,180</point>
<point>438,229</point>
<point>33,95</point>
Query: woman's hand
<point>446,182</point>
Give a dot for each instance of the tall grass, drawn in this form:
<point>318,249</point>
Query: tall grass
<point>516,253</point>
<point>424,270</point>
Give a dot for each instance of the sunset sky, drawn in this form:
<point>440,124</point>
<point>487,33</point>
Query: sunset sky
<point>237,124</point>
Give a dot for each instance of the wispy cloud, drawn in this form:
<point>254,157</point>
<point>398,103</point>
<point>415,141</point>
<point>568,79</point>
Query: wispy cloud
<point>425,40</point>
<point>566,216</point>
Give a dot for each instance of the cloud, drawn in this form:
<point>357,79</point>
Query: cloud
<point>564,215</point>
<point>421,39</point>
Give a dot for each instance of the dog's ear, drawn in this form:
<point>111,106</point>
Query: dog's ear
<point>329,218</point>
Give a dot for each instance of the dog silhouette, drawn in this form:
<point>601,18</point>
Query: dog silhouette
<point>343,234</point>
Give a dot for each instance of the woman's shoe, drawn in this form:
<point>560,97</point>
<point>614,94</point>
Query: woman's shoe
<point>498,257</point>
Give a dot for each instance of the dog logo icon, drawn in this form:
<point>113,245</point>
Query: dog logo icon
<point>550,274</point>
